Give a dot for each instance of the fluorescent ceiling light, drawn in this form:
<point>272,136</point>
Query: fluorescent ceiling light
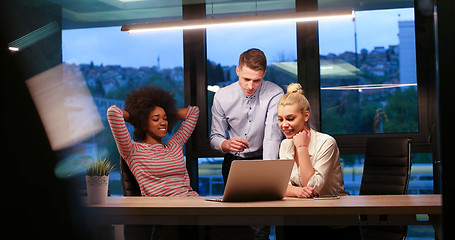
<point>13,49</point>
<point>360,88</point>
<point>241,21</point>
<point>34,36</point>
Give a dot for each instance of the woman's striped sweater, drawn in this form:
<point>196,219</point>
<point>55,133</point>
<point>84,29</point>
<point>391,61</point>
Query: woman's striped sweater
<point>159,168</point>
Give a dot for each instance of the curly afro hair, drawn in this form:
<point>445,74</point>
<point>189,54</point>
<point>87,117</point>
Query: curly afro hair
<point>139,103</point>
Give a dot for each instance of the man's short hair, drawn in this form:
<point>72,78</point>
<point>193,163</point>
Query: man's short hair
<point>254,59</point>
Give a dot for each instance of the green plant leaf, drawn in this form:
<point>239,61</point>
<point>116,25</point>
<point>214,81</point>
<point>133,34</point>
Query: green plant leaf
<point>100,167</point>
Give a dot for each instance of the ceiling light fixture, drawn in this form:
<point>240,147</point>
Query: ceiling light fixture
<point>241,21</point>
<point>360,88</point>
<point>33,37</point>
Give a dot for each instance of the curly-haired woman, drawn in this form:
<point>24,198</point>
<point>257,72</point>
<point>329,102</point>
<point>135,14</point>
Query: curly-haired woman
<point>158,167</point>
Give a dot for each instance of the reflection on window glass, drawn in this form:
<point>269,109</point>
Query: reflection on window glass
<point>224,47</point>
<point>368,73</point>
<point>210,177</point>
<point>113,63</point>
<point>369,85</point>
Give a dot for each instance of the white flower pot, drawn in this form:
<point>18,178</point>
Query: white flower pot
<point>97,189</point>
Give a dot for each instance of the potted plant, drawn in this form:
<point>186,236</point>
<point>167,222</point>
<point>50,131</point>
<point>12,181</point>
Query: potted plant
<point>97,180</point>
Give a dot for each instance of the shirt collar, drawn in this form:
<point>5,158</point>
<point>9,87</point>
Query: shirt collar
<point>255,95</point>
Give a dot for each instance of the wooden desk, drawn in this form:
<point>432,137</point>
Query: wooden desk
<point>375,210</point>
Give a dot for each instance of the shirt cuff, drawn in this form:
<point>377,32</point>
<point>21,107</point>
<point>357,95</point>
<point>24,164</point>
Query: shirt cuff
<point>216,144</point>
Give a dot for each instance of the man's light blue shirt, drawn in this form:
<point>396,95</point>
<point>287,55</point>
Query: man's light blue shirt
<point>253,118</point>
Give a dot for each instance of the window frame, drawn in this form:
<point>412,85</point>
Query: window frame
<point>307,61</point>
<point>423,140</point>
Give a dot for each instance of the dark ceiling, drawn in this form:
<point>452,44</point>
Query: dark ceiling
<point>97,13</point>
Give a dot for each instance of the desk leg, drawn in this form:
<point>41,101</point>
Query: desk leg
<point>100,230</point>
<point>119,232</point>
<point>436,222</point>
<point>104,231</point>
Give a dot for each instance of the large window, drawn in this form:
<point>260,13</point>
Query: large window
<point>368,85</point>
<point>368,73</point>
<point>224,47</point>
<point>113,63</point>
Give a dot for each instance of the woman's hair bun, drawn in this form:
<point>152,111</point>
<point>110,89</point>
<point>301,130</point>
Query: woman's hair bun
<point>294,88</point>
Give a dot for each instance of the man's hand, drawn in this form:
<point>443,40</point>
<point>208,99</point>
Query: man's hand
<point>236,144</point>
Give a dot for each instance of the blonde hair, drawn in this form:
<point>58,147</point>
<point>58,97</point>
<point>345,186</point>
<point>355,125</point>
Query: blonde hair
<point>293,96</point>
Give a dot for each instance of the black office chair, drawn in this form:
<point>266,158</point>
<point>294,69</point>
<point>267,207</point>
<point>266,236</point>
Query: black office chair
<point>386,171</point>
<point>130,186</point>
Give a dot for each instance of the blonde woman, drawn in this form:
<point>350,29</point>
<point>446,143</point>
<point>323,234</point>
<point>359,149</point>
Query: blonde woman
<point>317,169</point>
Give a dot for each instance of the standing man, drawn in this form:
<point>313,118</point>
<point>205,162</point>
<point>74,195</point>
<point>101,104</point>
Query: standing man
<point>247,110</point>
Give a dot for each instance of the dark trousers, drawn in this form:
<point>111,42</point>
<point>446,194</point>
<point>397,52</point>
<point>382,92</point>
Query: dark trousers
<point>228,158</point>
<point>238,232</point>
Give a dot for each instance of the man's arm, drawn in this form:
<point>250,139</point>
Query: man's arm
<point>219,125</point>
<point>272,133</point>
<point>218,138</point>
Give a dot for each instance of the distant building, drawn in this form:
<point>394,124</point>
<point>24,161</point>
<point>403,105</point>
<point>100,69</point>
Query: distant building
<point>102,104</point>
<point>406,35</point>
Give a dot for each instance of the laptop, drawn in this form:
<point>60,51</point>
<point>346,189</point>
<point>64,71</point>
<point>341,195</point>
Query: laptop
<point>256,180</point>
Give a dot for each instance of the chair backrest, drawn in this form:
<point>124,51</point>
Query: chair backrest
<point>386,172</point>
<point>130,186</point>
<point>387,166</point>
